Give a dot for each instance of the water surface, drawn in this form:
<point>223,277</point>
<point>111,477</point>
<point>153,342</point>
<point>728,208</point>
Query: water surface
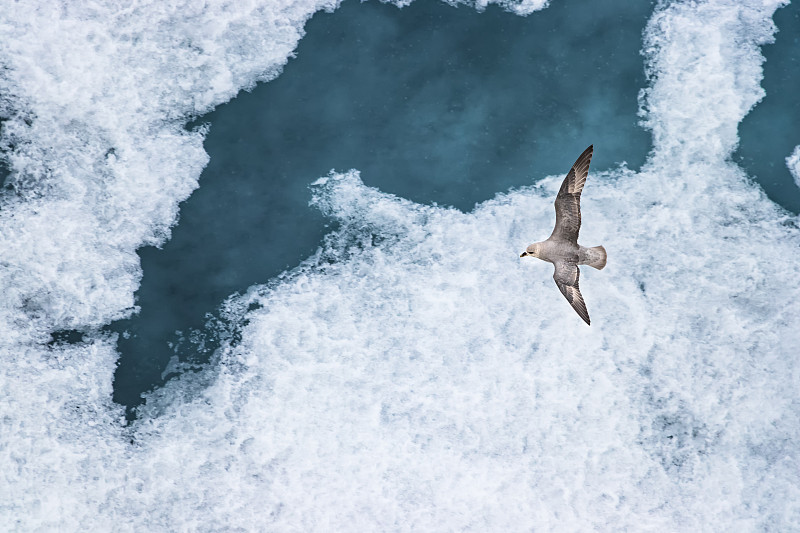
<point>771,131</point>
<point>430,102</point>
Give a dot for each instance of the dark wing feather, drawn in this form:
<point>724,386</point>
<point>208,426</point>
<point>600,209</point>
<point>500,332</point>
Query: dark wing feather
<point>566,277</point>
<point>568,201</point>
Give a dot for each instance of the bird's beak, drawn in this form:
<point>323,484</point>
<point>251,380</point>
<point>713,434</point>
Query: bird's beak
<point>523,254</point>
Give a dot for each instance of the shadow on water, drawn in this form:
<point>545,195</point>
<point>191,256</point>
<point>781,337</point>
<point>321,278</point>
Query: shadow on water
<point>769,133</point>
<point>431,102</point>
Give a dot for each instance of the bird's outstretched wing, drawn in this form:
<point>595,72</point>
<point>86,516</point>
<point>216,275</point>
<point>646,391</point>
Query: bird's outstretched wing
<point>566,277</point>
<point>568,201</point>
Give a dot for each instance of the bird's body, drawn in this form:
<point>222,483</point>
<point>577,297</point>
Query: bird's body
<point>556,250</point>
<point>562,248</point>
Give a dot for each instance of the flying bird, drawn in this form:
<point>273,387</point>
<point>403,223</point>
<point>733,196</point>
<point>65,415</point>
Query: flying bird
<point>562,248</point>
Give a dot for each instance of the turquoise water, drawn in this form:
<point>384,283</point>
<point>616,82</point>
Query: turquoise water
<point>433,103</point>
<point>770,132</point>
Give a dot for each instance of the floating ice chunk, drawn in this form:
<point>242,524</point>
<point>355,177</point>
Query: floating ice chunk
<point>344,197</point>
<point>793,162</point>
<point>703,81</point>
<point>519,7</point>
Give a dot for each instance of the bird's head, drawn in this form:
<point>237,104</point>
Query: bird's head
<point>532,250</point>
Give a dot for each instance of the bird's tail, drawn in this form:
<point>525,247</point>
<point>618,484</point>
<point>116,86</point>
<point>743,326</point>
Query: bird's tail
<point>596,257</point>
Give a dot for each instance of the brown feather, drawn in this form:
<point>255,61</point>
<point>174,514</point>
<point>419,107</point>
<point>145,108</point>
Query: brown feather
<point>568,201</point>
<point>567,276</point>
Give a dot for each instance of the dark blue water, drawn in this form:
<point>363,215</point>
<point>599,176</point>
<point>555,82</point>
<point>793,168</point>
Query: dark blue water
<point>771,131</point>
<point>430,102</point>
